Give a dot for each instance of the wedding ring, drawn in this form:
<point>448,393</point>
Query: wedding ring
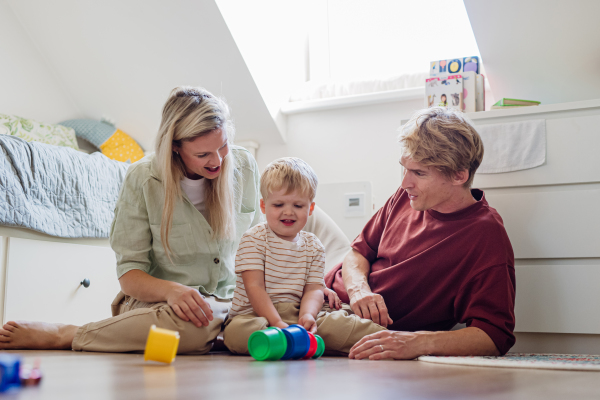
<point>382,350</point>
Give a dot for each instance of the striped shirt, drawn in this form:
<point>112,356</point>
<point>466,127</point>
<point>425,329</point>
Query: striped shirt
<point>288,266</point>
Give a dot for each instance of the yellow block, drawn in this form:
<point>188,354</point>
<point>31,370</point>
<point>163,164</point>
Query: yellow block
<point>121,147</point>
<point>161,345</point>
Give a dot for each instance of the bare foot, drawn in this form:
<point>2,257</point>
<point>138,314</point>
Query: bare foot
<point>25,335</point>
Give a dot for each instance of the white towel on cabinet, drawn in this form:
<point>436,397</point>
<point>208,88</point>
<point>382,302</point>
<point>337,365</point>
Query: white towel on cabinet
<point>513,146</point>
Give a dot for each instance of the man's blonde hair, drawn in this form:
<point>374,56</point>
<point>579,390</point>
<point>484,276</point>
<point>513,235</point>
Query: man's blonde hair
<point>443,139</point>
<point>291,174</point>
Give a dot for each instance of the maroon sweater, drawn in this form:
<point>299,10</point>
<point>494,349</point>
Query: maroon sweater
<point>435,270</point>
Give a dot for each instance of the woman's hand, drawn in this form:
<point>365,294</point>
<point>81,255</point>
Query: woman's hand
<point>308,322</point>
<point>189,305</point>
<point>334,301</point>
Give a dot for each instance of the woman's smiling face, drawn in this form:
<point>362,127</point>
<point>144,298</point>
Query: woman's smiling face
<point>203,156</point>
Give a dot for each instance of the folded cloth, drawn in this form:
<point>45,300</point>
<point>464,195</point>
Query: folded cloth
<point>513,146</point>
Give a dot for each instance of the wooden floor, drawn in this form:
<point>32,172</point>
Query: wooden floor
<point>71,375</point>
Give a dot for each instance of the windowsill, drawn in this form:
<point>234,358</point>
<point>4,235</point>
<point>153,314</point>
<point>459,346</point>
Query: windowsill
<point>524,113</point>
<point>297,107</point>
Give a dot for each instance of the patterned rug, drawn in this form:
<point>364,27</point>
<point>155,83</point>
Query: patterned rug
<point>580,362</point>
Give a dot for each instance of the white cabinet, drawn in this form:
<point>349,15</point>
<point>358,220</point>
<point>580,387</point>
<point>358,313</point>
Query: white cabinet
<point>551,216</point>
<point>43,282</point>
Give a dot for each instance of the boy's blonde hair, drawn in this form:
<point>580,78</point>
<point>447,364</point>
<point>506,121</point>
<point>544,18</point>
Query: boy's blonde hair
<point>443,139</point>
<point>290,173</point>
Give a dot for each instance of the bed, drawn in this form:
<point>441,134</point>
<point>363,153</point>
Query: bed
<point>56,262</point>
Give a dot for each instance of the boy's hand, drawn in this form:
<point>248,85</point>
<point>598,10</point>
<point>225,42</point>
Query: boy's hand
<point>308,322</point>
<point>281,325</point>
<point>334,300</point>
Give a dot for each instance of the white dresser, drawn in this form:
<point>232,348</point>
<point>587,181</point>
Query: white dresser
<point>552,216</point>
<point>45,278</point>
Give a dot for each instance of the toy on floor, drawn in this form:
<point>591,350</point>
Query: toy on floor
<point>161,345</point>
<point>9,372</point>
<point>293,342</point>
<point>114,143</point>
<point>31,376</point>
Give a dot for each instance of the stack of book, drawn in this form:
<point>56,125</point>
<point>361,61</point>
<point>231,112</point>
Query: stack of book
<point>505,103</point>
<point>455,83</point>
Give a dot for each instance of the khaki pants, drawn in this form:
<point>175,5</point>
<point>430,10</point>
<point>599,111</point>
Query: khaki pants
<point>128,329</point>
<point>340,329</point>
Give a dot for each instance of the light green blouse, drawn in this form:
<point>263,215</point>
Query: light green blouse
<point>199,260</point>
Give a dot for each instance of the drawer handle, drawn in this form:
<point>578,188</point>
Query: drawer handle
<point>85,283</point>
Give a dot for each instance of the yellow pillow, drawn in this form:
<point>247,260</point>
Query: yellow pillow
<point>121,147</point>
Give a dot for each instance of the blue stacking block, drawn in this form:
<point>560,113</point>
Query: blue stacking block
<point>9,372</point>
<point>298,342</point>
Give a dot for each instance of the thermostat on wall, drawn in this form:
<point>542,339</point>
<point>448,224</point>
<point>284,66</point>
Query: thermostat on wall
<point>354,205</point>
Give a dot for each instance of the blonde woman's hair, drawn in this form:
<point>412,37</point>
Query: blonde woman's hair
<point>443,139</point>
<point>189,113</point>
<point>291,174</point>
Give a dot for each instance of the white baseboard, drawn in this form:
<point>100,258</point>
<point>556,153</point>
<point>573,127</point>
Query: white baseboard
<point>562,343</point>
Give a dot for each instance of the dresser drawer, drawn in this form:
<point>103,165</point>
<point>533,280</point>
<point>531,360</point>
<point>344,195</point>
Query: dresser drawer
<point>43,282</point>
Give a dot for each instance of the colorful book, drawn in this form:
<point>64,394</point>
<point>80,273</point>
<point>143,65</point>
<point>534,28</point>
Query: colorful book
<point>454,85</point>
<point>480,93</point>
<point>454,66</point>
<point>445,92</point>
<point>516,102</point>
<point>469,91</point>
<point>506,107</point>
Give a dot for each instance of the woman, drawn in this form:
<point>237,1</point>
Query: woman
<point>178,220</point>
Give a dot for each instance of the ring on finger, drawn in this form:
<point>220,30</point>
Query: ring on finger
<point>382,349</point>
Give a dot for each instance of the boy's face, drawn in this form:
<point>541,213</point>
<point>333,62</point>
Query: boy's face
<point>286,213</point>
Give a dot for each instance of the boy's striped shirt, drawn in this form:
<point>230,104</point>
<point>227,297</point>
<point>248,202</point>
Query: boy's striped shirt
<point>288,266</point>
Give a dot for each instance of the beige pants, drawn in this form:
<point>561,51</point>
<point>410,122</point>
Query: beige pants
<point>128,329</point>
<point>340,329</point>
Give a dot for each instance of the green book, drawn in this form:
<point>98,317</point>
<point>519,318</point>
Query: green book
<point>516,102</point>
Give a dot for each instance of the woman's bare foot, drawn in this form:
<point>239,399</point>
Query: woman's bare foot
<point>25,335</point>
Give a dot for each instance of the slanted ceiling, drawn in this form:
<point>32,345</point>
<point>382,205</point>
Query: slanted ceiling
<point>120,59</point>
<point>538,49</point>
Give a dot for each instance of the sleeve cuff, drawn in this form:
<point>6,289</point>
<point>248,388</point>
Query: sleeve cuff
<point>501,339</point>
<point>364,250</point>
<point>125,268</point>
<point>316,282</point>
<point>239,270</point>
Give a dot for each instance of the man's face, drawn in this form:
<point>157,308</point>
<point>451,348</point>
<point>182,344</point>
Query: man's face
<point>427,188</point>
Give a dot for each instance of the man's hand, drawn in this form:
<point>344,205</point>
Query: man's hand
<point>370,306</point>
<point>390,344</point>
<point>189,305</point>
<point>308,322</point>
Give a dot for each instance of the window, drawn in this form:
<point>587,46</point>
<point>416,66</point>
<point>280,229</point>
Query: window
<point>359,39</point>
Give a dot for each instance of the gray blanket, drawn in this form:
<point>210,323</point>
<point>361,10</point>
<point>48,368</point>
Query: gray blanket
<point>57,190</point>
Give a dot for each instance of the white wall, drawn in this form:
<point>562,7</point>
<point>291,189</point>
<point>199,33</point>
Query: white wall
<point>348,144</point>
<point>121,59</point>
<point>539,49</point>
<point>28,87</point>
<point>272,37</point>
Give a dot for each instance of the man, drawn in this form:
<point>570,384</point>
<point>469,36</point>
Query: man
<point>435,255</point>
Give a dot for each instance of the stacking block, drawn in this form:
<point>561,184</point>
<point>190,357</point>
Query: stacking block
<point>9,372</point>
<point>291,343</point>
<point>161,345</point>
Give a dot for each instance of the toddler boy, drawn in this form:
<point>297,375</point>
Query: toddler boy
<point>280,267</point>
